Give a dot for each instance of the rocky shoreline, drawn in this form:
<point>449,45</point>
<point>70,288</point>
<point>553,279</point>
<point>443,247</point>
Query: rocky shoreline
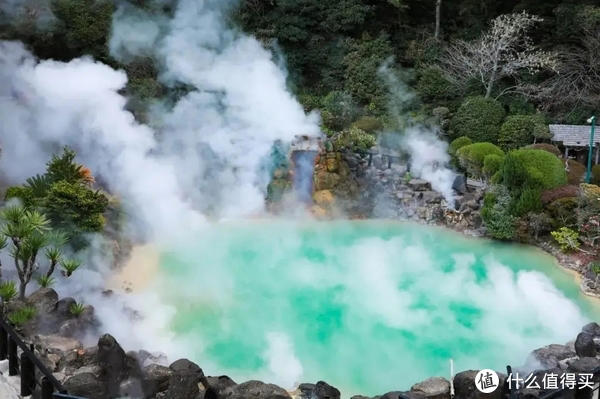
<point>106,370</point>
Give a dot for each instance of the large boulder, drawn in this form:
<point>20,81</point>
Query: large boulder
<point>584,365</point>
<point>184,380</point>
<point>550,356</point>
<point>87,385</point>
<point>433,388</point>
<point>155,379</point>
<point>256,389</point>
<point>325,391</point>
<point>584,345</point>
<point>216,386</point>
<point>44,300</point>
<point>116,366</point>
<point>592,328</point>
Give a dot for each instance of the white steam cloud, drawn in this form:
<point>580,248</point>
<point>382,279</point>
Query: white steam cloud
<point>428,154</point>
<point>206,154</point>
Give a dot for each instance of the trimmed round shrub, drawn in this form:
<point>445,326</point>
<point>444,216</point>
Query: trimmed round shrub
<point>472,156</point>
<point>369,124</point>
<point>478,118</point>
<point>545,147</point>
<point>596,174</point>
<point>537,169</point>
<point>576,171</point>
<point>492,164</point>
<point>459,143</point>
<point>518,131</point>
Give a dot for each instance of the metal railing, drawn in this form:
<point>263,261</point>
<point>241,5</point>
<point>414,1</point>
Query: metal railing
<point>27,364</point>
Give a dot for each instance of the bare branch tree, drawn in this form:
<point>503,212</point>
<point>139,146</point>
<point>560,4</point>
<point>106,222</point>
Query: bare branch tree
<point>577,81</point>
<point>504,50</point>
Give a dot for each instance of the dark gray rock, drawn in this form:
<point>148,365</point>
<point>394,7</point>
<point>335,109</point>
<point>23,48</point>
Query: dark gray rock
<point>306,390</point>
<point>460,184</point>
<point>550,356</point>
<point>592,328</point>
<point>155,379</point>
<point>583,365</point>
<point>184,380</point>
<point>63,307</point>
<point>87,385</point>
<point>419,185</point>
<point>44,300</point>
<point>216,386</point>
<point>325,391</point>
<point>255,389</point>
<point>403,395</point>
<point>131,388</point>
<point>584,345</point>
<point>116,366</point>
<point>433,388</point>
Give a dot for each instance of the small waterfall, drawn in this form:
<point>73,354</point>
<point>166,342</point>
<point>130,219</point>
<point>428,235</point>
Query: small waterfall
<point>303,163</point>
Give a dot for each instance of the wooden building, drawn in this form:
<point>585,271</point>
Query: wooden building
<point>575,140</point>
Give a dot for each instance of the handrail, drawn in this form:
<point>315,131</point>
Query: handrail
<point>9,341</point>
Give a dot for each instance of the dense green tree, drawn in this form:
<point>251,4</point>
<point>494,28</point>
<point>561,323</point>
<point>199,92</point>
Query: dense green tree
<point>479,119</point>
<point>65,196</point>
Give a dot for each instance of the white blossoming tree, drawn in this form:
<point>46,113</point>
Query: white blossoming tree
<point>505,50</point>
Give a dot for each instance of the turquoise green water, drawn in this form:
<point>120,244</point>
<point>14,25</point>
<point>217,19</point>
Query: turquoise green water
<point>367,306</point>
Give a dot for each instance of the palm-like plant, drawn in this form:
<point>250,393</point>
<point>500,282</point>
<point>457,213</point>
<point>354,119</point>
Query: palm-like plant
<point>8,290</point>
<point>69,266</point>
<point>77,309</point>
<point>27,230</point>
<point>46,281</point>
<point>22,315</point>
<point>54,255</point>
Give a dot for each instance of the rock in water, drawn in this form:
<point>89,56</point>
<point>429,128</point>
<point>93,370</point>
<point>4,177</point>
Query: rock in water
<point>584,345</point>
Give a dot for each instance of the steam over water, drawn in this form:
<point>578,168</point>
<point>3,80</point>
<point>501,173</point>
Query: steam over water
<point>367,306</point>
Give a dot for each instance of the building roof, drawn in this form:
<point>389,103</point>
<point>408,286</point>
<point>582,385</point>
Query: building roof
<point>573,135</point>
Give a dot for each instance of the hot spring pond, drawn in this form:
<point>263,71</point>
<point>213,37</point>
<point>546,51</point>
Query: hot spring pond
<point>367,306</point>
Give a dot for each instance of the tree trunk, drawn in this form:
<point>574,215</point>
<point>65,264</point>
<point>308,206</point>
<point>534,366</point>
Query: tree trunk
<point>438,15</point>
<point>22,286</point>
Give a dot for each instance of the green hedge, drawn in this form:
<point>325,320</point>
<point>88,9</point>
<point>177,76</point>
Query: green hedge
<point>471,157</point>
<point>478,118</point>
<point>459,143</point>
<point>492,164</point>
<point>536,169</point>
<point>519,130</point>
